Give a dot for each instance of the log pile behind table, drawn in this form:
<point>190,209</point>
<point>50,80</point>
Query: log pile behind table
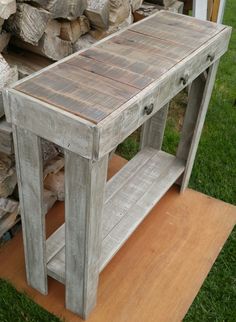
<point>33,34</point>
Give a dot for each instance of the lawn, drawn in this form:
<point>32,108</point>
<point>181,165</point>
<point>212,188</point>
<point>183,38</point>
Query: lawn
<point>214,174</point>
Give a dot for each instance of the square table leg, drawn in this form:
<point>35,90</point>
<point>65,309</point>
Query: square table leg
<point>84,197</point>
<point>153,129</point>
<point>199,98</point>
<point>30,182</point>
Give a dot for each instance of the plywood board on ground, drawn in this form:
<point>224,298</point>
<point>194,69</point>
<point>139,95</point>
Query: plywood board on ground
<point>157,273</point>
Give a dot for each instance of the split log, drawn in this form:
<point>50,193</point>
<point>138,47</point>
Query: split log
<point>7,176</point>
<point>119,11</point>
<point>8,76</point>
<point>69,9</point>
<point>28,23</point>
<point>49,46</point>
<point>7,8</point>
<point>98,13</point>
<point>6,139</point>
<point>165,3</point>
<point>9,214</point>
<point>144,11</point>
<point>49,151</point>
<point>4,40</point>
<point>1,23</point>
<point>73,30</point>
<point>26,62</point>
<point>135,4</point>
<point>176,7</point>
<point>84,42</point>
<point>53,166</point>
<point>55,183</point>
<point>53,28</point>
<point>148,9</point>
<point>100,34</point>
<point>49,199</point>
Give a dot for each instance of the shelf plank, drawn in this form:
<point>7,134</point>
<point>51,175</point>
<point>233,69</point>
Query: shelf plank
<point>130,195</point>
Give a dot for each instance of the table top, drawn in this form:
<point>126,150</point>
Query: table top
<point>94,83</point>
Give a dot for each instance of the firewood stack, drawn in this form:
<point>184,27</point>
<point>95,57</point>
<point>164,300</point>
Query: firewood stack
<point>33,34</point>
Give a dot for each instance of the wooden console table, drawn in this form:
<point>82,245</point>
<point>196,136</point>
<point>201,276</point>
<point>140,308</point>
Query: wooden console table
<point>88,103</point>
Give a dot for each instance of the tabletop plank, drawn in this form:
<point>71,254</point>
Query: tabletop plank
<point>203,26</point>
<point>171,33</point>
<point>102,55</point>
<point>113,72</point>
<point>98,81</point>
<point>162,47</point>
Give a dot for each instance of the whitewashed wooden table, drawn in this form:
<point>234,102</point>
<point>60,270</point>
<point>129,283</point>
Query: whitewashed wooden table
<point>89,103</point>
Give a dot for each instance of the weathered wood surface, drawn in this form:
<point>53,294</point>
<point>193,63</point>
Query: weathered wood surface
<point>29,23</point>
<point>165,3</point>
<point>26,64</point>
<point>135,4</point>
<point>122,122</point>
<point>49,46</point>
<point>7,175</point>
<point>6,139</point>
<point>69,133</point>
<point>152,132</point>
<point>4,39</point>
<point>73,30</point>
<point>205,99</point>
<point>118,11</point>
<point>129,197</point>
<point>53,166</point>
<point>70,9</point>
<point>49,199</point>
<point>191,114</point>
<point>7,8</point>
<point>55,183</point>
<point>30,176</point>
<point>84,193</point>
<point>147,9</point>
<point>8,76</point>
<point>134,51</point>
<point>98,13</point>
<point>9,211</point>
<point>87,104</point>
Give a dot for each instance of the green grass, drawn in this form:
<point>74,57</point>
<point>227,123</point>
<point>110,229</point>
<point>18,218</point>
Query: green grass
<point>214,173</point>
<point>17,307</point>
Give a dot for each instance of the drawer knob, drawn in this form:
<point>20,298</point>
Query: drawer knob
<point>184,80</point>
<point>148,109</point>
<point>210,57</point>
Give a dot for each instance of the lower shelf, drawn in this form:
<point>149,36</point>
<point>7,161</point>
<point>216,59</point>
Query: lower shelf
<point>129,197</point>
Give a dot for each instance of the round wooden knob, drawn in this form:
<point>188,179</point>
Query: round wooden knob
<point>184,80</point>
<point>210,57</point>
<point>148,109</point>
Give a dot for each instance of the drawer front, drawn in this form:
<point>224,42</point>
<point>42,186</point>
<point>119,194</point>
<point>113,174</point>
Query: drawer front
<point>184,73</point>
<point>139,109</point>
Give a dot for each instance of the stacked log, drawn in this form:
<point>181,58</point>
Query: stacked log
<point>57,28</point>
<point>7,8</point>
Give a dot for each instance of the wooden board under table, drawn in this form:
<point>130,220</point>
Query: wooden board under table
<point>105,88</point>
<point>158,271</point>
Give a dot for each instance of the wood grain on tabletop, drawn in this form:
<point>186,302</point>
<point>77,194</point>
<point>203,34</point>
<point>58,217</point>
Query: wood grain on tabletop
<point>99,80</point>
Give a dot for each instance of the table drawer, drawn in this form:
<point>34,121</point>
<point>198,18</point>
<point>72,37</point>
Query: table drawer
<point>185,72</point>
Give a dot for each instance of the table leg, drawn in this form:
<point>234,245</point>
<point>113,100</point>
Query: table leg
<point>153,129</point>
<point>84,196</point>
<point>199,98</point>
<point>30,182</point>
